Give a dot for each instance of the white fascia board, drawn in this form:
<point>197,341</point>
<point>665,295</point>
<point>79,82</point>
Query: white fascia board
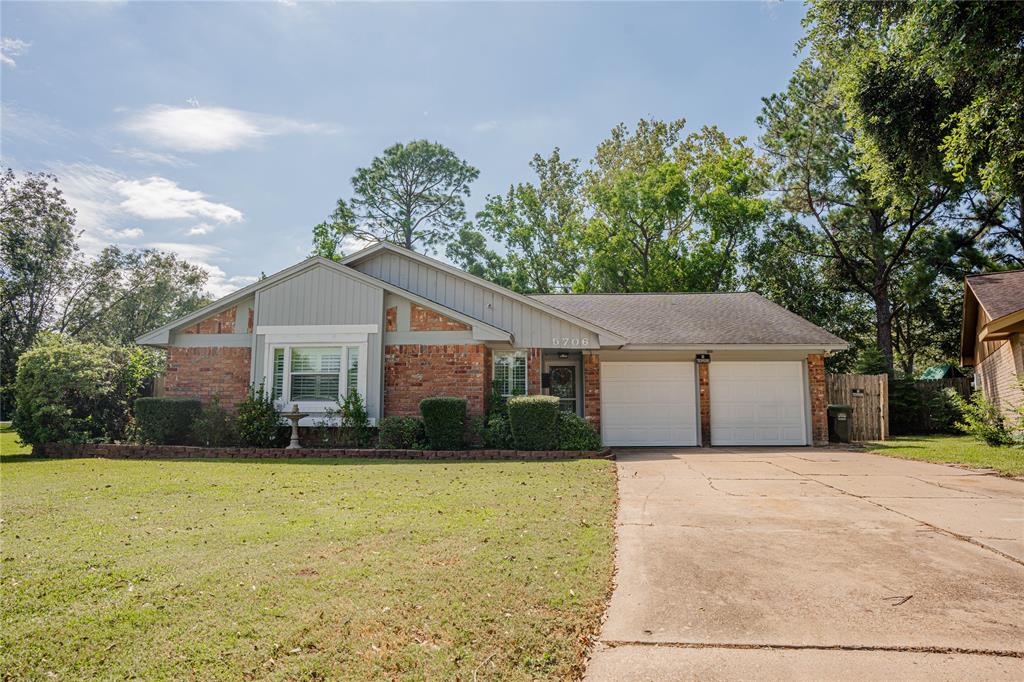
<point>810,347</point>
<point>605,336</point>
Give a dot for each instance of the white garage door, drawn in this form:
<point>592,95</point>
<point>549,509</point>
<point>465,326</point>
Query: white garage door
<point>648,403</point>
<point>757,403</point>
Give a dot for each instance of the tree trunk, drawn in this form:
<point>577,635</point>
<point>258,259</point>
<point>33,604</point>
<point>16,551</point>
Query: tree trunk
<point>883,325</point>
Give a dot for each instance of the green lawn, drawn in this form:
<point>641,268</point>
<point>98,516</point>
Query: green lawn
<point>954,450</point>
<point>311,569</point>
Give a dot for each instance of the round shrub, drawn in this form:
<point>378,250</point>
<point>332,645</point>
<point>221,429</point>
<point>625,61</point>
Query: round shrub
<point>444,421</point>
<point>166,421</point>
<point>258,423</point>
<point>401,433</point>
<point>73,392</point>
<point>576,433</point>
<point>534,421</point>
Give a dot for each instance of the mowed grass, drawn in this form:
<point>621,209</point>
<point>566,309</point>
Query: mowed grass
<point>301,569</point>
<point>963,450</point>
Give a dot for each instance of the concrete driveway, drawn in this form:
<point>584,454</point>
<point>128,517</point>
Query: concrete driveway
<point>815,564</point>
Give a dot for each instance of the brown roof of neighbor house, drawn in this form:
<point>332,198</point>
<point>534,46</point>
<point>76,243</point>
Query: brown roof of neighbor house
<point>999,293</point>
<point>693,319</point>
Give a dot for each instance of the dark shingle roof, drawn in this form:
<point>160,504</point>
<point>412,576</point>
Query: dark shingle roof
<point>999,293</point>
<point>692,319</point>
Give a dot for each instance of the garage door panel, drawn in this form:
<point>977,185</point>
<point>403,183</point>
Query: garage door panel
<point>757,403</point>
<point>648,403</point>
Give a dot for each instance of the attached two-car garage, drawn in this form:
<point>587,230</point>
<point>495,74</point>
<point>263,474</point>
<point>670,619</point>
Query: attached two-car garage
<point>657,403</point>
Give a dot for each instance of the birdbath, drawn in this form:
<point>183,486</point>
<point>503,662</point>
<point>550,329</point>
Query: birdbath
<point>294,416</point>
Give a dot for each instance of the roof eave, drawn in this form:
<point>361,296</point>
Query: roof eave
<point>710,347</point>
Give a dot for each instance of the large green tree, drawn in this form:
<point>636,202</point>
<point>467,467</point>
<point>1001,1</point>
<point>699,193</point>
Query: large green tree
<point>869,234</point>
<point>37,253</point>
<point>669,213</point>
<point>539,226</point>
<point>927,80</point>
<point>412,195</point>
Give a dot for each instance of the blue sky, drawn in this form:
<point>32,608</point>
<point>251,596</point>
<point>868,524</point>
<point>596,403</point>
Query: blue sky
<point>224,131</point>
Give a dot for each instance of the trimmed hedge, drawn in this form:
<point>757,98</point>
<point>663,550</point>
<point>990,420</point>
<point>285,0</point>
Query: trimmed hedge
<point>400,433</point>
<point>444,421</point>
<point>534,421</point>
<point>576,433</point>
<point>166,421</point>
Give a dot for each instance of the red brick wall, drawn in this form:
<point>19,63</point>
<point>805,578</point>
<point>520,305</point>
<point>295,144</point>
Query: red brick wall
<point>221,323</point>
<point>413,372</point>
<point>534,364</point>
<point>425,320</point>
<point>704,382</point>
<point>819,400</point>
<point>592,389</point>
<point>207,372</point>
<point>391,319</point>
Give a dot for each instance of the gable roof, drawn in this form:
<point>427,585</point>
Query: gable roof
<point>697,320</point>
<point>161,335</point>
<point>1001,296</point>
<point>608,337</point>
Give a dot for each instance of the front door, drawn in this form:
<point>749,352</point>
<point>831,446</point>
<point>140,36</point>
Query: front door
<point>563,387</point>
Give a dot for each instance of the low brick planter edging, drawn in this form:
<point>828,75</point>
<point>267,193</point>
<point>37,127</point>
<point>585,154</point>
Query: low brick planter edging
<point>135,451</point>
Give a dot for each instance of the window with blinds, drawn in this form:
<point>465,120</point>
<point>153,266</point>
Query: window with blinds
<point>510,372</point>
<point>321,374</point>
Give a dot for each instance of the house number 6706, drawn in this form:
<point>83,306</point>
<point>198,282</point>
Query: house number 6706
<point>566,341</point>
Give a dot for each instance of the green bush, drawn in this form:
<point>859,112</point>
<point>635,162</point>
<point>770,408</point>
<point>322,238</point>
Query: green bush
<point>576,433</point>
<point>534,421</point>
<point>494,431</point>
<point>444,422</point>
<point>258,422</point>
<point>68,391</point>
<point>214,426</point>
<point>401,433</point>
<point>166,421</point>
<point>981,419</point>
<point>354,420</point>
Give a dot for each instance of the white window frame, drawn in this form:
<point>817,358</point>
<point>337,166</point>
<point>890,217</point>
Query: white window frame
<point>314,336</point>
<point>526,369</point>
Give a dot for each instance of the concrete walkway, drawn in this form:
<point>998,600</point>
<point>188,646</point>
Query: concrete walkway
<point>812,564</point>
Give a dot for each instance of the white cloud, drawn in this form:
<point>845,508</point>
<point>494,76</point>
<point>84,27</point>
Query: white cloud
<point>200,229</point>
<point>29,125</point>
<point>146,156</point>
<point>11,48</point>
<point>105,200</point>
<point>158,198</point>
<point>485,126</point>
<point>218,283</point>
<point>211,129</point>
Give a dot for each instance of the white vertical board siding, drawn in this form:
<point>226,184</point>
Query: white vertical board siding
<point>324,296</point>
<point>757,403</point>
<point>532,328</point>
<point>648,403</point>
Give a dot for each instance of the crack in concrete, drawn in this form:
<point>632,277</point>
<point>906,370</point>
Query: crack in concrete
<point>1003,653</point>
<point>938,529</point>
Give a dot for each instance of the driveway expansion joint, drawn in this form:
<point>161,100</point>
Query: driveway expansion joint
<point>1001,653</point>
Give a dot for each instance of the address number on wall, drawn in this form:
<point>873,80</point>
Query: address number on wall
<point>569,342</point>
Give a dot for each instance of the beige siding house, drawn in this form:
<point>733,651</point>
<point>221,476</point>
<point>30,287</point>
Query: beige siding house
<point>991,335</point>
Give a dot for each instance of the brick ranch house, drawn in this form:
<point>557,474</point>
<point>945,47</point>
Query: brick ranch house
<point>645,369</point>
<point>991,335</point>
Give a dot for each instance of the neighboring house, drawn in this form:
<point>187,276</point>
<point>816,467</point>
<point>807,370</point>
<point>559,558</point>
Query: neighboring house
<point>936,372</point>
<point>990,336</point>
<point>398,327</point>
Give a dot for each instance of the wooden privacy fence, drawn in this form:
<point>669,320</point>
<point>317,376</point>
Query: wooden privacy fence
<point>868,394</point>
<point>922,420</point>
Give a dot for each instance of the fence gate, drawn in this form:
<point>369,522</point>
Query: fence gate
<point>868,394</point>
